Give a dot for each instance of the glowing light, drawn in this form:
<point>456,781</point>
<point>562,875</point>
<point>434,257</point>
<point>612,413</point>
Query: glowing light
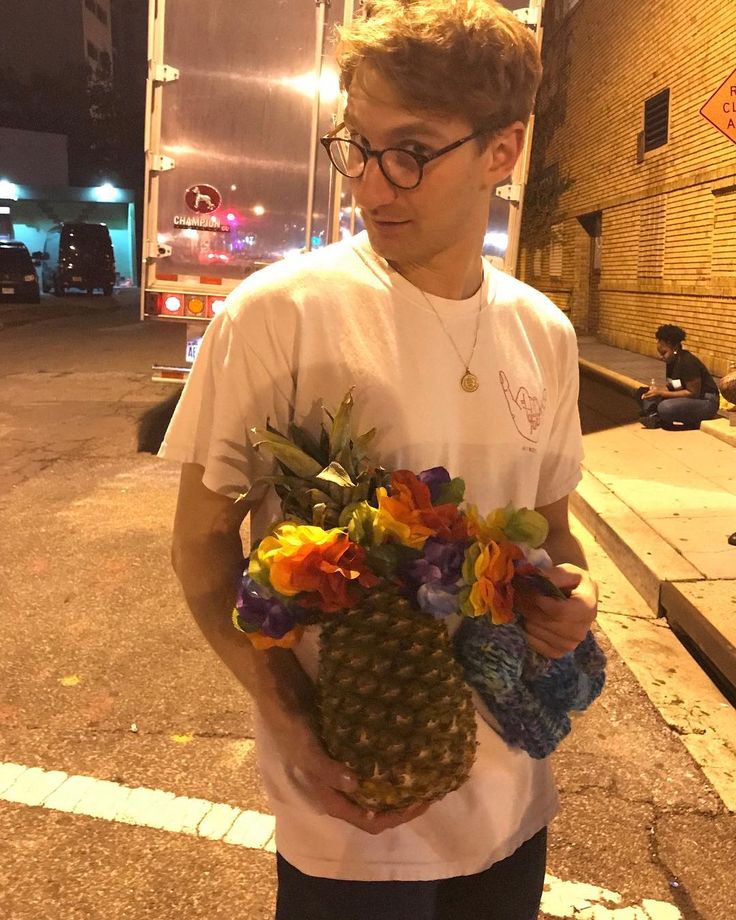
<point>233,188</point>
<point>230,215</point>
<point>306,85</point>
<point>196,306</point>
<point>8,190</point>
<point>217,306</point>
<point>496,239</point>
<point>106,192</point>
<point>259,210</point>
<point>173,303</point>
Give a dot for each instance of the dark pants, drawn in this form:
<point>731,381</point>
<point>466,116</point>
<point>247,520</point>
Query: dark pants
<point>682,411</point>
<point>509,890</point>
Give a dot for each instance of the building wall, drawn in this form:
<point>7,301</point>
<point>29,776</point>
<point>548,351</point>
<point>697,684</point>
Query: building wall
<point>668,244</point>
<point>96,24</point>
<point>33,157</point>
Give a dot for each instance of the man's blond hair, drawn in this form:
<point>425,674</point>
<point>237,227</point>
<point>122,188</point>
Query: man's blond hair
<point>470,58</point>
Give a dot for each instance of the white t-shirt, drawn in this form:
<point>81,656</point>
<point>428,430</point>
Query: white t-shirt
<point>302,332</point>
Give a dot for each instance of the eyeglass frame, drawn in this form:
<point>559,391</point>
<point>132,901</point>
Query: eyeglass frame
<point>421,158</point>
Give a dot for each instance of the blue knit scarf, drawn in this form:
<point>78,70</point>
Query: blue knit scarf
<point>529,696</point>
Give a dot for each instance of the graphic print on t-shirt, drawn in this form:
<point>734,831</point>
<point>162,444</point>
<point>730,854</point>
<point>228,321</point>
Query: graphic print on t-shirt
<point>526,410</point>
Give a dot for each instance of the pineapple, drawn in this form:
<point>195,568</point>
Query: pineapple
<point>393,703</point>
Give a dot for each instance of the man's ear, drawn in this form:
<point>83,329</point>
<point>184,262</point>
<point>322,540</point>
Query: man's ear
<point>504,150</point>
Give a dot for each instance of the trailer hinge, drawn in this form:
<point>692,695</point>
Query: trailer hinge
<point>530,15</point>
<point>510,192</point>
<point>160,163</point>
<point>164,73</point>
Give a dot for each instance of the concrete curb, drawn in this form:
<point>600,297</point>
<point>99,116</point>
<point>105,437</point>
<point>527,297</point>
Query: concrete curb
<point>643,556</point>
<point>622,382</point>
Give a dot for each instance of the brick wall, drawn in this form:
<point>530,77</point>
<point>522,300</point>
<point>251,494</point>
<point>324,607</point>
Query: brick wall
<point>668,246</point>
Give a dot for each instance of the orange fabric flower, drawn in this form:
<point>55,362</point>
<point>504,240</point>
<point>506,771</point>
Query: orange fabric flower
<point>325,570</point>
<point>409,515</point>
<point>288,640</point>
<point>493,592</point>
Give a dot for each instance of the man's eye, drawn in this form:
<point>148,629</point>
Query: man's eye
<point>416,147</point>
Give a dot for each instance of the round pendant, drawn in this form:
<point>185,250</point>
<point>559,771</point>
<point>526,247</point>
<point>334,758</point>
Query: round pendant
<point>469,382</point>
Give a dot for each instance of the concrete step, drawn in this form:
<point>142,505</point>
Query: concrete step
<point>701,609</point>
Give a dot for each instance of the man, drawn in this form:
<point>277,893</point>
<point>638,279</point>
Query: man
<point>456,364</point>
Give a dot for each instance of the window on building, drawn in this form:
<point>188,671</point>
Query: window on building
<point>651,238</point>
<point>92,53</point>
<point>656,120</point>
<point>537,263</point>
<point>555,252</point>
<point>723,261</point>
<point>101,13</point>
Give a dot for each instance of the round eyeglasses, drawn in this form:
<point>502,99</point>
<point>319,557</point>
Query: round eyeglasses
<point>403,168</point>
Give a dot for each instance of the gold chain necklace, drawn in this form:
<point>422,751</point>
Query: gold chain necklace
<point>469,381</point>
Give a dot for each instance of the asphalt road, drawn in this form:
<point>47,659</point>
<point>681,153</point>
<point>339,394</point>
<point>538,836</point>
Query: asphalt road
<point>105,676</point>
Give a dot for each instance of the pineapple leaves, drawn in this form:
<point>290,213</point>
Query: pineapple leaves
<point>304,441</point>
<point>340,429</point>
<point>337,474</point>
<point>287,453</point>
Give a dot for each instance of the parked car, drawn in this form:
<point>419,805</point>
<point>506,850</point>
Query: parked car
<point>78,255</point>
<point>18,279</point>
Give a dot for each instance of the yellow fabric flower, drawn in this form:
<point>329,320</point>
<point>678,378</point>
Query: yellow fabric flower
<point>492,593</point>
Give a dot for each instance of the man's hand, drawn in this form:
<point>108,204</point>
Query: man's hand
<point>554,626</point>
<point>653,392</point>
<point>526,410</point>
<point>328,783</point>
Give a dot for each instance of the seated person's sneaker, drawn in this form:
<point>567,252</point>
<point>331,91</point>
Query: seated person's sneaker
<point>650,421</point>
<point>732,539</point>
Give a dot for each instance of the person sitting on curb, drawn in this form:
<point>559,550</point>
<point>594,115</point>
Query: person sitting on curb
<point>691,395</point>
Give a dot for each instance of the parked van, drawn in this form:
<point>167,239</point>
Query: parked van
<point>78,255</point>
<point>17,275</point>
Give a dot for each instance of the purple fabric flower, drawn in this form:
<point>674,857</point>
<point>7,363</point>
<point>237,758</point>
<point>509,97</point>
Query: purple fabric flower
<point>259,610</point>
<point>438,601</point>
<point>434,479</point>
<point>436,576</point>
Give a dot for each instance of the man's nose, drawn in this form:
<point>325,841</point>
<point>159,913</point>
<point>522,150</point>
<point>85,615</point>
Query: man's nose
<point>373,189</point>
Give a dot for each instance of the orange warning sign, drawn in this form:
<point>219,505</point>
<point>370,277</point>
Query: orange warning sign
<point>720,109</point>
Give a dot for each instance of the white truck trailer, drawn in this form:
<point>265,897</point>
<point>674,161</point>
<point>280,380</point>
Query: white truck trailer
<point>239,93</point>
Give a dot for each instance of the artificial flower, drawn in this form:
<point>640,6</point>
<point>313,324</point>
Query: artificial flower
<point>492,592</point>
<point>437,600</point>
<point>442,488</point>
<point>305,560</point>
<point>264,618</point>
<point>408,515</point>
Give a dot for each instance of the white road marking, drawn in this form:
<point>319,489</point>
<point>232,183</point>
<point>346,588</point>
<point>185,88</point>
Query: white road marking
<point>97,798</point>
<point>579,901</point>
<point>156,808</point>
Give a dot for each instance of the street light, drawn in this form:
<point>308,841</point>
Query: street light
<point>106,192</point>
<point>8,190</point>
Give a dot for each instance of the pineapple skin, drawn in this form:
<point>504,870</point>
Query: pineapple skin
<point>394,706</point>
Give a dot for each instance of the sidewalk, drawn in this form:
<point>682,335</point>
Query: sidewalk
<point>662,504</point>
